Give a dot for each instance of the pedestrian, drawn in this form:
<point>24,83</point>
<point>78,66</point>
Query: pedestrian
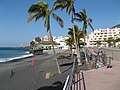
<point>109,61</point>
<point>12,73</point>
<point>102,57</point>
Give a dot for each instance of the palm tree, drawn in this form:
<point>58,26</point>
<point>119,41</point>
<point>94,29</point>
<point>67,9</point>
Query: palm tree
<point>98,43</point>
<point>114,42</point>
<point>81,42</point>
<point>117,39</point>
<point>78,33</point>
<point>69,6</point>
<point>32,43</point>
<point>37,39</point>
<point>82,17</point>
<point>109,41</point>
<point>70,43</point>
<point>40,10</point>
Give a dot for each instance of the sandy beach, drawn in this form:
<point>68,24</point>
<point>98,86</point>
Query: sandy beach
<point>28,77</point>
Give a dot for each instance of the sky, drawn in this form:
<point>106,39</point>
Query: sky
<point>14,29</point>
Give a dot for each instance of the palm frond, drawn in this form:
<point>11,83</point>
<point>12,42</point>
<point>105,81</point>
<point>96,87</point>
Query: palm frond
<point>38,7</point>
<point>65,4</point>
<point>32,16</point>
<point>78,15</point>
<point>59,4</point>
<point>76,27</point>
<point>38,17</point>
<point>71,6</point>
<point>47,22</point>
<point>77,19</point>
<point>73,10</point>
<point>82,15</point>
<point>70,32</point>
<point>34,8</point>
<point>67,9</point>
<point>57,7</point>
<point>69,28</point>
<point>84,11</point>
<point>43,4</point>
<point>91,26</point>
<point>58,19</point>
<point>89,20</point>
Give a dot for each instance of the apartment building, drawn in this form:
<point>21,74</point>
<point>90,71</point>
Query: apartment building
<point>61,41</point>
<point>102,35</point>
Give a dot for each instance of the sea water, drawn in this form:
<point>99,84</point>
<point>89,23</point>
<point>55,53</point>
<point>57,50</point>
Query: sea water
<point>13,53</point>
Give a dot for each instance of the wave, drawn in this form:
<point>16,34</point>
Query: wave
<point>27,52</point>
<point>15,58</point>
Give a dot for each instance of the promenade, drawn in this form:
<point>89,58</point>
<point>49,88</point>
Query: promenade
<point>103,78</point>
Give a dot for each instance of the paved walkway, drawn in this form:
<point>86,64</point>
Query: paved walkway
<point>103,78</point>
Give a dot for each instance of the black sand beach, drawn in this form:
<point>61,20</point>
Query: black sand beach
<point>28,77</point>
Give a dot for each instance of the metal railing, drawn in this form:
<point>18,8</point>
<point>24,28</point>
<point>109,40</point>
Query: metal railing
<point>75,81</point>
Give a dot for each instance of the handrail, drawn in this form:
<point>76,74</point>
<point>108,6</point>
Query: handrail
<point>72,74</point>
<point>73,81</point>
<point>66,83</point>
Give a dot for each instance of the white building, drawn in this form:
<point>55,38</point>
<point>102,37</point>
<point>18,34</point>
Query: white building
<point>102,35</point>
<point>61,41</point>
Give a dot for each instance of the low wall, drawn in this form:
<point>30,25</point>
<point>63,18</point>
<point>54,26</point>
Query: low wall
<point>113,52</point>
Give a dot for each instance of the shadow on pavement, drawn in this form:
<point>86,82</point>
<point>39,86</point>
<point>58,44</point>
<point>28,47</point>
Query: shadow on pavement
<point>67,69</point>
<point>66,64</point>
<point>55,86</point>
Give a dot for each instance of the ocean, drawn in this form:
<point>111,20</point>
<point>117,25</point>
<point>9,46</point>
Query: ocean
<point>13,53</point>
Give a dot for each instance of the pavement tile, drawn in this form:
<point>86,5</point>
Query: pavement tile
<point>103,78</point>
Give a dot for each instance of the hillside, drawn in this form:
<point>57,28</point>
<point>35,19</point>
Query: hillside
<point>118,26</point>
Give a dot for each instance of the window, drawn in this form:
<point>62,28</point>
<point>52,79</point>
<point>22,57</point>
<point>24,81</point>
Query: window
<point>104,38</point>
<point>105,35</point>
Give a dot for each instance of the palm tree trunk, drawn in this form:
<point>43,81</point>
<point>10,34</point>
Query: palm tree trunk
<point>78,49</point>
<point>55,57</point>
<point>85,50</point>
<point>71,51</point>
<point>78,52</point>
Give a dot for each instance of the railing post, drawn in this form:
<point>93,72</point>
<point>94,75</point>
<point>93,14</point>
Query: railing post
<point>79,82</point>
<point>83,81</point>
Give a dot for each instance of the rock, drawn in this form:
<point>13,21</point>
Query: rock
<point>48,75</point>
